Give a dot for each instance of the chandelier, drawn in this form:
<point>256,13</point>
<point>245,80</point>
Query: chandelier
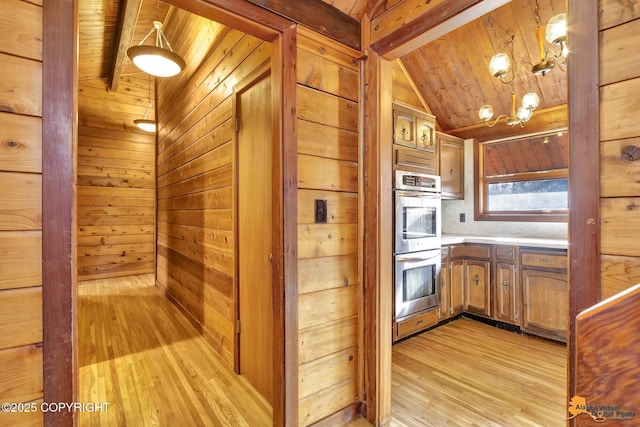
<point>503,67</point>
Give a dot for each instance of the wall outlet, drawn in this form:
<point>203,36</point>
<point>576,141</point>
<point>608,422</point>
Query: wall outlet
<point>463,217</point>
<point>320,211</point>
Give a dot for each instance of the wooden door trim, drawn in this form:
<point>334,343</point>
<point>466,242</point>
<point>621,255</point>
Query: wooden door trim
<point>285,244</point>
<point>584,164</point>
<point>59,124</point>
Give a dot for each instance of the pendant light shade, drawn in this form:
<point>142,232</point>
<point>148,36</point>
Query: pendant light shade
<point>156,60</point>
<point>556,31</point>
<point>146,125</point>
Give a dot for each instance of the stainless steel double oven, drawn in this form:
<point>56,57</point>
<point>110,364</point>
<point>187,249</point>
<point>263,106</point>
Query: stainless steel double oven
<point>417,199</point>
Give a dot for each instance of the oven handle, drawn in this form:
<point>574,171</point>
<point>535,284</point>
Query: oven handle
<point>412,259</point>
<point>418,194</point>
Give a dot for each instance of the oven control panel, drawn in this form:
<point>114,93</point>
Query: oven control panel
<point>416,181</point>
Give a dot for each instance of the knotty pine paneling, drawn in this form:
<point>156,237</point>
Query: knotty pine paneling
<point>328,279</point>
<point>195,183</point>
<point>116,180</point>
<point>619,189</point>
<point>21,379</point>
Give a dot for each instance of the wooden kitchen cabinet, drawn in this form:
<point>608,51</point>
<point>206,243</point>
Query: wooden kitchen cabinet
<point>451,165</point>
<point>446,309</point>
<point>506,285</point>
<point>544,293</point>
<point>470,279</point>
<point>404,126</point>
<point>476,287</point>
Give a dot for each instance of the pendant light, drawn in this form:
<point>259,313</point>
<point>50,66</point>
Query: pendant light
<point>156,60</point>
<point>145,123</point>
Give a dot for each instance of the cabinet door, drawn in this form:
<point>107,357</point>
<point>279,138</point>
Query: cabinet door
<point>451,166</point>
<point>425,135</point>
<point>506,293</point>
<point>457,286</point>
<point>445,288</point>
<point>477,287</point>
<point>403,128</point>
<point>545,303</point>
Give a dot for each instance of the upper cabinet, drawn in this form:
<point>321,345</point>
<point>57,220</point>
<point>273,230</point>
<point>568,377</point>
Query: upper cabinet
<point>413,128</point>
<point>414,143</point>
<point>451,165</point>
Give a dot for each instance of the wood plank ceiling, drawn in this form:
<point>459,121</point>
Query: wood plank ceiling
<point>450,72</point>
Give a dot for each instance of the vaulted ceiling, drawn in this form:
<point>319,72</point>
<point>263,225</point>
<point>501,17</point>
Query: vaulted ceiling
<point>450,72</point>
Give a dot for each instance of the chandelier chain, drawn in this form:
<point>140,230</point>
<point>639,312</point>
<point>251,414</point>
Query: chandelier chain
<point>537,13</point>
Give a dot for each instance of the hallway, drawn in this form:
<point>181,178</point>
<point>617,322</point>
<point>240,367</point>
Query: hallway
<point>140,354</point>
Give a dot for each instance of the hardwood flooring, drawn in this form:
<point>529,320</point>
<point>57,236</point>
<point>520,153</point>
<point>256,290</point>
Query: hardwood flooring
<point>466,373</point>
<point>140,354</point>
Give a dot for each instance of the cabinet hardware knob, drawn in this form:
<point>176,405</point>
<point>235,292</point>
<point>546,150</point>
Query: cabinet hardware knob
<point>505,284</point>
<point>419,322</point>
<point>451,172</point>
<point>631,153</point>
<point>544,260</point>
<point>270,257</point>
<point>476,279</point>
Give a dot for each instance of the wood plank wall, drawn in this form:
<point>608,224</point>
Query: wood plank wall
<point>619,128</point>
<point>20,207</point>
<point>329,283</point>
<point>116,178</point>
<point>195,247</point>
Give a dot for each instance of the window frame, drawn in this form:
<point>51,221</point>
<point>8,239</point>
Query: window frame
<point>481,189</point>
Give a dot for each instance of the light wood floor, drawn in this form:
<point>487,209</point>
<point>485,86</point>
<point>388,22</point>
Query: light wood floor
<point>466,373</point>
<point>140,354</point>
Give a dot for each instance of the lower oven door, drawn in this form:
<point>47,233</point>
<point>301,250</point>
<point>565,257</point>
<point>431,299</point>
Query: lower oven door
<point>416,277</point>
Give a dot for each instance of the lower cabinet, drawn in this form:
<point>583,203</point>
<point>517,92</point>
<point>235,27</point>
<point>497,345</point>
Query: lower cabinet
<point>545,293</point>
<point>470,290</point>
<point>506,285</point>
<point>445,310</point>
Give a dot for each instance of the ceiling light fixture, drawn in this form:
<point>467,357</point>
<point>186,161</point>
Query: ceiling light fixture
<point>145,123</point>
<point>156,60</point>
<point>530,102</point>
<point>556,34</point>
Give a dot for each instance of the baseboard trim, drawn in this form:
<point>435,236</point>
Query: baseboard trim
<point>340,418</point>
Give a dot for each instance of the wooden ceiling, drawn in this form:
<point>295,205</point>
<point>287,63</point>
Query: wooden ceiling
<point>450,73</point>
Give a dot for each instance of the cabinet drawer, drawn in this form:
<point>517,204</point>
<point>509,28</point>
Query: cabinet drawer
<point>415,158</point>
<point>556,261</point>
<point>471,251</point>
<point>417,323</point>
<point>506,253</point>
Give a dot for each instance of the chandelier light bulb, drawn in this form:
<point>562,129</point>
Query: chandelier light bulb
<point>499,64</point>
<point>530,101</point>
<point>524,114</point>
<point>486,112</point>
<point>556,31</point>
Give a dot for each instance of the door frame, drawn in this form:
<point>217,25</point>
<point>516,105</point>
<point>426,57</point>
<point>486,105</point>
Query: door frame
<point>59,97</point>
<point>584,199</point>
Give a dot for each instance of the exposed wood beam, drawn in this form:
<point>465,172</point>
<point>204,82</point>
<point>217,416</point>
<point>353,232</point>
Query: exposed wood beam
<point>373,6</point>
<point>417,91</point>
<point>542,120</point>
<point>414,23</point>
<point>127,27</point>
<point>319,16</point>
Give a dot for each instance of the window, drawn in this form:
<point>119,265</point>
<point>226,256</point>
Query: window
<point>525,179</point>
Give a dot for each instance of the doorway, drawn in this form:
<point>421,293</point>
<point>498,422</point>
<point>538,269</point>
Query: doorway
<point>254,234</point>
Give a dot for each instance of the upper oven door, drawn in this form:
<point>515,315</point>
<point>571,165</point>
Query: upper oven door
<point>417,221</point>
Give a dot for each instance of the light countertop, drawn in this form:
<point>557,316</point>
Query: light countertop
<point>452,239</point>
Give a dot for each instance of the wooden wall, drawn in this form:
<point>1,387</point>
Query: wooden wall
<point>329,284</point>
<point>195,248</point>
<point>116,178</point>
<point>619,128</point>
<point>20,207</point>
